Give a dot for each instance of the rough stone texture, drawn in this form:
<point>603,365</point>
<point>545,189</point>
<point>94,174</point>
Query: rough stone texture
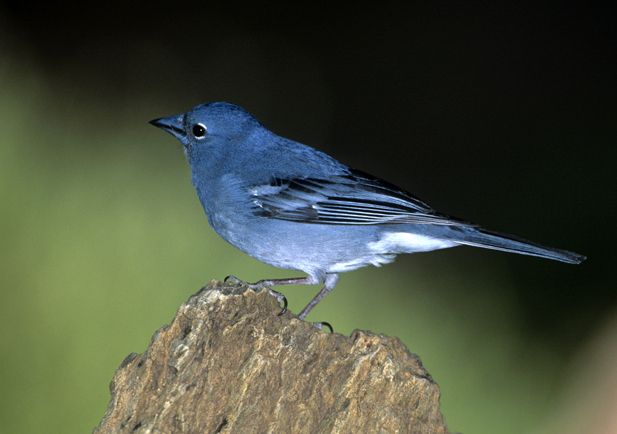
<point>228,363</point>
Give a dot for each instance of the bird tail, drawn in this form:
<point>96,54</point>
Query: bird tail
<point>509,243</point>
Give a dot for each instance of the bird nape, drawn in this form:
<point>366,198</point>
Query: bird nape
<point>294,207</point>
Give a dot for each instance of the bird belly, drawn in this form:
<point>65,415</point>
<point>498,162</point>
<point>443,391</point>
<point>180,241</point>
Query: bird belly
<point>312,248</point>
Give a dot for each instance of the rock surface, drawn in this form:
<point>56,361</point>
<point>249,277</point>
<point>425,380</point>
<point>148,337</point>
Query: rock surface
<point>228,364</point>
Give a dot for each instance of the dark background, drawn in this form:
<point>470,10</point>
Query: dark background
<point>501,114</point>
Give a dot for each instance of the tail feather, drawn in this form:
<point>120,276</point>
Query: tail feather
<point>509,243</point>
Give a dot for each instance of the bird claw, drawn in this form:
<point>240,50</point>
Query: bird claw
<point>232,279</point>
<point>281,299</point>
<point>321,324</point>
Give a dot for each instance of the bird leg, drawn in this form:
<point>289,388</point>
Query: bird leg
<point>290,281</point>
<point>268,283</point>
<point>329,284</point>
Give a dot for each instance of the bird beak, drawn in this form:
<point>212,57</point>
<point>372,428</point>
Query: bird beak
<point>174,125</point>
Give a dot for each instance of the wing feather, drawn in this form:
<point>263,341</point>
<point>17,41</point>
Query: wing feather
<point>353,199</point>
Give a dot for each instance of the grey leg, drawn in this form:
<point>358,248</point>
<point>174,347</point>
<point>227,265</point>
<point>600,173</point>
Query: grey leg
<point>291,281</point>
<point>329,284</point>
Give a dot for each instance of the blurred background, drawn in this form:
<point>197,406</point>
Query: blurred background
<point>493,112</point>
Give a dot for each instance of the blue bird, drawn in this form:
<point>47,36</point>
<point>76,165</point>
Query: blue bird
<point>294,207</point>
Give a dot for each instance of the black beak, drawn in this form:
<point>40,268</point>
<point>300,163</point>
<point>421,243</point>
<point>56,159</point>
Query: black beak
<point>172,124</point>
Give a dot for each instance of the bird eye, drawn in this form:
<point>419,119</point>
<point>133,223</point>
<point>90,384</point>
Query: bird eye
<point>199,131</point>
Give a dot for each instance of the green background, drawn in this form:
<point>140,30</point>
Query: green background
<point>503,116</point>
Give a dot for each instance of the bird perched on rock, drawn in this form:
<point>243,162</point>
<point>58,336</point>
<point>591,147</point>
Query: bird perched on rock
<point>294,207</point>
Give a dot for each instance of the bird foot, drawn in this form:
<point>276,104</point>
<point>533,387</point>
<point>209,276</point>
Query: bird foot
<point>259,286</point>
<point>233,280</point>
<point>281,299</point>
<point>321,324</point>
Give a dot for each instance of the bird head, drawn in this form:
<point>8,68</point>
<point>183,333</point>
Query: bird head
<point>207,124</point>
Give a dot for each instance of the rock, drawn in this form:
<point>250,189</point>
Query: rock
<point>229,364</point>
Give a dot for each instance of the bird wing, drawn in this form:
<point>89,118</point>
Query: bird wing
<point>355,198</point>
